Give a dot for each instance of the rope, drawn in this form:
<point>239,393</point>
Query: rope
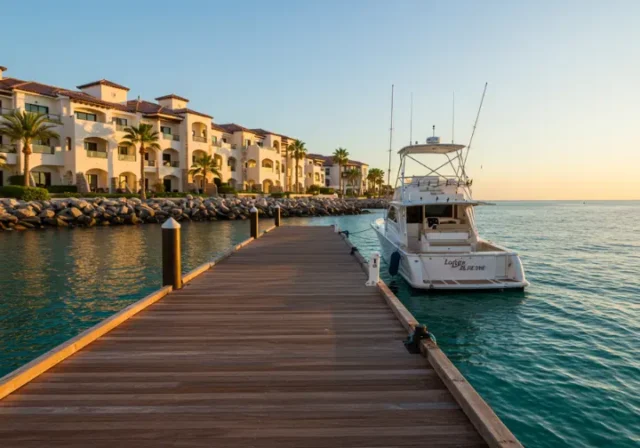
<point>347,232</point>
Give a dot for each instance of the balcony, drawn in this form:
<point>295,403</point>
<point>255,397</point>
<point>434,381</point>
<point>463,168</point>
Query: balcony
<point>97,154</point>
<point>122,127</point>
<point>43,149</point>
<point>56,118</point>
<point>199,139</point>
<point>173,164</point>
<point>127,157</point>
<point>4,111</point>
<point>151,163</point>
<point>8,149</point>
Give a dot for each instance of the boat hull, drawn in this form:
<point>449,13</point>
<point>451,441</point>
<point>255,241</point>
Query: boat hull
<point>495,270</point>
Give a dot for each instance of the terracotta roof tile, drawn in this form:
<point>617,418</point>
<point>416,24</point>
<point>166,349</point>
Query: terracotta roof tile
<point>86,98</point>
<point>191,111</point>
<point>171,95</point>
<point>149,108</point>
<point>104,82</point>
<point>218,128</point>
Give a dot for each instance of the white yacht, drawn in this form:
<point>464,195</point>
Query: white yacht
<point>429,235</point>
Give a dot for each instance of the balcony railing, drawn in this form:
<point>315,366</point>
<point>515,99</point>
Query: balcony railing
<point>127,157</point>
<point>43,149</point>
<point>97,154</point>
<point>8,149</point>
<point>149,163</point>
<point>54,117</point>
<point>173,163</point>
<point>4,111</point>
<point>197,138</point>
<point>176,137</point>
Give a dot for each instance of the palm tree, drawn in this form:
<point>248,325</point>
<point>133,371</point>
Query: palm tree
<point>27,127</point>
<point>353,178</point>
<point>299,152</point>
<point>341,157</point>
<point>203,166</point>
<point>148,139</point>
<point>376,178</point>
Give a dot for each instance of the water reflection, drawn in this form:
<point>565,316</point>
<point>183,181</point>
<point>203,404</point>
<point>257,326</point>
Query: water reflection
<point>56,283</point>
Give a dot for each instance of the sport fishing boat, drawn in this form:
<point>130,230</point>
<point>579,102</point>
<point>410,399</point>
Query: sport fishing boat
<point>429,235</point>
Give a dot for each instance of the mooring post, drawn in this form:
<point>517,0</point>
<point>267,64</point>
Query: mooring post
<point>171,263</point>
<point>254,222</point>
<point>277,214</point>
<point>374,269</point>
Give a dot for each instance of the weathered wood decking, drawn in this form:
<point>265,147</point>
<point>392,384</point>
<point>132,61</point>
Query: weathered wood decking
<point>279,345</point>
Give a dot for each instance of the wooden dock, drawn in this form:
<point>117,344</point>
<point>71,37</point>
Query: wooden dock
<point>279,345</point>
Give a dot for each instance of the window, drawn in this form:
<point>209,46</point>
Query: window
<point>91,146</point>
<point>259,143</point>
<point>266,163</point>
<point>327,171</point>
<point>251,164</point>
<point>247,142</point>
<point>41,179</point>
<point>86,116</point>
<point>123,150</point>
<point>232,163</point>
<point>283,168</point>
<point>214,139</point>
<point>120,122</point>
<point>68,143</point>
<point>414,214</point>
<point>391,214</point>
<point>224,139</point>
<point>45,142</point>
<point>37,109</point>
<point>166,159</point>
<point>439,211</point>
<point>166,130</point>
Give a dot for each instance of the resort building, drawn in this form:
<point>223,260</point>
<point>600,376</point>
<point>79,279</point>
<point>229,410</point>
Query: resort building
<point>91,122</point>
<point>333,173</point>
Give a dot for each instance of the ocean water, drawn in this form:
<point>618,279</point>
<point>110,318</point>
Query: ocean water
<point>559,363</point>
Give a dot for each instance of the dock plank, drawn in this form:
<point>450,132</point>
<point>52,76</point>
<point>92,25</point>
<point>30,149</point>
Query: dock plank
<point>279,345</point>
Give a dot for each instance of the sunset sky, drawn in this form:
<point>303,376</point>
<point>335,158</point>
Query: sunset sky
<point>560,119</point>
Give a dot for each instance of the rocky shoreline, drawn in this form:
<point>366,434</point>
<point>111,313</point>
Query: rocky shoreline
<point>73,212</point>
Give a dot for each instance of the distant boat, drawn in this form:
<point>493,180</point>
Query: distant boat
<point>429,235</point>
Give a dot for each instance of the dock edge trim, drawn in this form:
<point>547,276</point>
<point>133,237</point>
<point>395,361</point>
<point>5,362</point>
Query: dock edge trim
<point>483,418</point>
<point>23,375</point>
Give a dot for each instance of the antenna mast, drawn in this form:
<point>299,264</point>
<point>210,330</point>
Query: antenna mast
<point>411,122</point>
<point>390,139</point>
<point>475,124</point>
<point>453,118</point>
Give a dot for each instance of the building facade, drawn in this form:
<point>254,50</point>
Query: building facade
<point>91,122</point>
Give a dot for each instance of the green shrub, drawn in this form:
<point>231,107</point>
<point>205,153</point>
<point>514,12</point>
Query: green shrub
<point>313,189</point>
<point>24,193</point>
<point>327,190</point>
<point>62,189</point>
<point>226,189</point>
<point>17,179</point>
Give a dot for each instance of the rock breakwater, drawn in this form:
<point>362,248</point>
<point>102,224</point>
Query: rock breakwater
<point>73,212</point>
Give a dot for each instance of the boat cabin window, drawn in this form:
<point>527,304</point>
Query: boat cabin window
<point>439,211</point>
<point>414,214</point>
<point>392,215</point>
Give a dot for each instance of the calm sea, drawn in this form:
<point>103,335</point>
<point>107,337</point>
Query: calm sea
<point>559,363</point>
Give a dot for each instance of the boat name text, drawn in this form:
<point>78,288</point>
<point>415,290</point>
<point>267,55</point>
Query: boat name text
<point>461,265</point>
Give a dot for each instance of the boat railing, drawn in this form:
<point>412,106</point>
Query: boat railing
<point>440,181</point>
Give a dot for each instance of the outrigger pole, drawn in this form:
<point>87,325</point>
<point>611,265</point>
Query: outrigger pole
<point>475,124</point>
<point>390,140</point>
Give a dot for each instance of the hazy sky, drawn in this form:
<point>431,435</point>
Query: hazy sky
<point>559,120</point>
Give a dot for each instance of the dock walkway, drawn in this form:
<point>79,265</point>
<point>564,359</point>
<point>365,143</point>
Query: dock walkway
<point>279,345</point>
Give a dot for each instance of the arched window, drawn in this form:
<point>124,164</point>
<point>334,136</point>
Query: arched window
<point>251,163</point>
<point>267,163</point>
<point>231,163</point>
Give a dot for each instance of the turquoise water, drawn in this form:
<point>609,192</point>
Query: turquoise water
<point>559,363</point>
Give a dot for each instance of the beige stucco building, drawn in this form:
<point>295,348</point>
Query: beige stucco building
<point>91,122</point>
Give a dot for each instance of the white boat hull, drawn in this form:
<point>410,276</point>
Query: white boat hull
<point>464,271</point>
